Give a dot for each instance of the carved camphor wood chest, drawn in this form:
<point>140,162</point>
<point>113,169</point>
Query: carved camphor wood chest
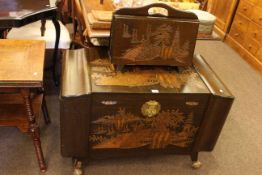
<point>140,110</point>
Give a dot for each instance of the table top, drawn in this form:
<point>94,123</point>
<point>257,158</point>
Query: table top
<point>12,12</point>
<point>21,63</point>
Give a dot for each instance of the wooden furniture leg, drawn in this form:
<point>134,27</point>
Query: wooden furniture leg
<point>34,129</point>
<point>73,19</point>
<point>55,55</point>
<point>45,111</point>
<point>3,33</point>
<point>78,167</point>
<point>196,164</point>
<point>44,107</point>
<point>43,22</point>
<point>75,24</point>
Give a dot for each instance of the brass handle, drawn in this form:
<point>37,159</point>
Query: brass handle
<point>192,103</point>
<point>109,103</point>
<point>237,34</point>
<point>150,108</point>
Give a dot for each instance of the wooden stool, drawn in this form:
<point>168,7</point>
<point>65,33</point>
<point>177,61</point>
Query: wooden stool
<point>21,89</point>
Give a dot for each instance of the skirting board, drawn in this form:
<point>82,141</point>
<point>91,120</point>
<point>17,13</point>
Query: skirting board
<point>244,53</point>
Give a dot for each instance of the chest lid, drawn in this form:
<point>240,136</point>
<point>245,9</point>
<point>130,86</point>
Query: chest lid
<point>141,79</point>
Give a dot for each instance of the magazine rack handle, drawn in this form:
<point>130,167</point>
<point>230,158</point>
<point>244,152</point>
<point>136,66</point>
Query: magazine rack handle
<point>143,11</point>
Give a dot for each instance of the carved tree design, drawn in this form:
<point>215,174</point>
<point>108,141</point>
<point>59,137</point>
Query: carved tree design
<point>180,52</point>
<point>167,120</point>
<point>136,77</point>
<point>133,53</point>
<point>149,47</point>
<point>162,35</point>
<point>161,43</point>
<point>169,127</point>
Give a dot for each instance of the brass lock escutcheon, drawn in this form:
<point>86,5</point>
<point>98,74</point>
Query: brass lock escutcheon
<point>150,108</point>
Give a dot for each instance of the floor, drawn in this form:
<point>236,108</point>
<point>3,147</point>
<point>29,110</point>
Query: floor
<point>238,151</point>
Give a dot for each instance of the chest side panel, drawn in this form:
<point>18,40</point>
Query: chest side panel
<point>74,120</point>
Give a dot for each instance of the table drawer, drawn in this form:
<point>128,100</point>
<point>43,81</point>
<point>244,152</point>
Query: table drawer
<point>237,34</point>
<point>255,32</point>
<point>241,22</point>
<point>257,15</point>
<point>140,120</point>
<point>245,8</point>
<point>251,45</point>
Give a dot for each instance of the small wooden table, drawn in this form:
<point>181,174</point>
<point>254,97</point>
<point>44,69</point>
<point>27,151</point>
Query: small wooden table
<point>17,13</point>
<point>21,82</point>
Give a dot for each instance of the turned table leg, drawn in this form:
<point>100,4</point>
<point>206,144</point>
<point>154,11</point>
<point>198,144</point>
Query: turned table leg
<point>43,22</point>
<point>34,129</point>
<point>196,164</point>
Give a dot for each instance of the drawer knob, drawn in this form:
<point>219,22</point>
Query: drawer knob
<point>237,34</point>
<point>245,9</point>
<point>150,108</point>
<point>250,46</point>
<point>109,103</point>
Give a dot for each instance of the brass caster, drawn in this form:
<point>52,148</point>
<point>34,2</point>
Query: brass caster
<point>196,164</point>
<point>78,168</point>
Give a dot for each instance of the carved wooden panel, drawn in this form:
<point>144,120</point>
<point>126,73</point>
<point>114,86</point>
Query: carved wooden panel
<point>157,40</point>
<point>126,130</point>
<point>103,74</point>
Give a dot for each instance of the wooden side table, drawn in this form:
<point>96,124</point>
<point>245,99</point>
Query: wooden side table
<point>21,89</point>
<point>18,13</point>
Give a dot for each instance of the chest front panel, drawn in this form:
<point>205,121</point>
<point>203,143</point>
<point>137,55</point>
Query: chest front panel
<point>131,121</point>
